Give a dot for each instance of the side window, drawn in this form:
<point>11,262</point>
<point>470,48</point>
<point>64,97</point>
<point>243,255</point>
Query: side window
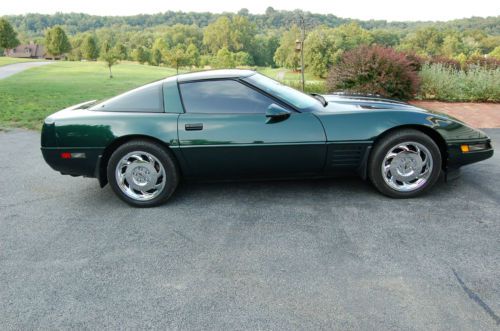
<point>223,96</point>
<point>147,98</point>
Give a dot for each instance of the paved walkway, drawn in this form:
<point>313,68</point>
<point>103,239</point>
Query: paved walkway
<point>11,69</point>
<point>478,115</point>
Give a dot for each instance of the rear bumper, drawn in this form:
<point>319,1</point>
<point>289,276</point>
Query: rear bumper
<point>82,166</point>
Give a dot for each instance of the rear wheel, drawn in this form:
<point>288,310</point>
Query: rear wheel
<point>405,164</point>
<point>142,173</point>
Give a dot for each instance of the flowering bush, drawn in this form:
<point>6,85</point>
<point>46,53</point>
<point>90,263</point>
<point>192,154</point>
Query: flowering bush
<point>375,70</point>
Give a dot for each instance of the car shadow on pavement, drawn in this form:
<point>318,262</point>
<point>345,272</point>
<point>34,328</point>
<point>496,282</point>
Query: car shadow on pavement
<point>267,192</point>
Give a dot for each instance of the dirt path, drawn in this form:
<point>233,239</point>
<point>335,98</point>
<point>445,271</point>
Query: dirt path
<point>12,69</point>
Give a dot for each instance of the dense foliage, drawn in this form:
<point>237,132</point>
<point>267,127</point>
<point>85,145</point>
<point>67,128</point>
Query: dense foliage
<point>33,25</point>
<point>56,41</point>
<point>8,37</point>
<point>394,50</point>
<point>262,40</point>
<point>374,69</point>
<point>443,82</point>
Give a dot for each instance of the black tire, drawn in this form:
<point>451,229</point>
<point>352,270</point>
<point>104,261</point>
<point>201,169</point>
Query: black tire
<point>382,148</point>
<point>163,155</point>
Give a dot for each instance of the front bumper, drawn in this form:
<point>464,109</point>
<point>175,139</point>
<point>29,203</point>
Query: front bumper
<point>458,158</point>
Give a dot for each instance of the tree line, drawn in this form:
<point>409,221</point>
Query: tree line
<point>230,40</point>
<point>33,25</point>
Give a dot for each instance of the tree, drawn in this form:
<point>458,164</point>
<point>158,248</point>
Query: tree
<point>193,55</point>
<point>76,53</point>
<point>109,55</point>
<point>176,57</point>
<point>350,36</point>
<point>56,41</point>
<point>89,48</point>
<point>452,45</point>
<point>159,47</point>
<point>489,43</point>
<point>8,37</point>
<point>385,38</point>
<point>285,55</point>
<point>141,55</point>
<point>224,59</point>
<point>425,41</point>
<point>318,48</point>
<point>217,35</point>
<point>264,48</point>
<point>183,34</point>
<point>242,59</point>
<point>121,51</point>
<point>242,34</point>
<point>235,34</point>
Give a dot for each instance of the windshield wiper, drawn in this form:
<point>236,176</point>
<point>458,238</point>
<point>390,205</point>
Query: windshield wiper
<point>320,98</point>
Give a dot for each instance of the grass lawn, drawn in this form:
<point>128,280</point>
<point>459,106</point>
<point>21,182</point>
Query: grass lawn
<point>10,60</point>
<point>28,97</point>
<point>287,74</point>
<point>313,84</point>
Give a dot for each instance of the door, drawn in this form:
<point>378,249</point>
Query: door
<point>225,132</point>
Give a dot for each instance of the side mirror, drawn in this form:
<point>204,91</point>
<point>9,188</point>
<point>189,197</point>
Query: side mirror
<point>277,113</point>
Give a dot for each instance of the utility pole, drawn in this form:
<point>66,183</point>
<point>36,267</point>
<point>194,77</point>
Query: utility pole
<point>299,45</point>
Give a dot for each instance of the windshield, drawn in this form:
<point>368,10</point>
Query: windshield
<point>299,100</point>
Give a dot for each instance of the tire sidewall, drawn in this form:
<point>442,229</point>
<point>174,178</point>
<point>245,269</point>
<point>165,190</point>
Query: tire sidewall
<point>380,151</point>
<point>163,155</point>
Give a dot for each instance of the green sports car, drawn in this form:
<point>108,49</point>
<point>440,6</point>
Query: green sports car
<point>234,124</point>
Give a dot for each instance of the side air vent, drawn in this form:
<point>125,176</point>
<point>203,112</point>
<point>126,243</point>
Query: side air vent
<point>345,155</point>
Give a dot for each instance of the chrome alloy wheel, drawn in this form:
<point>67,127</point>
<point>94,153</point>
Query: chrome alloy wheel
<point>407,166</point>
<point>140,175</point>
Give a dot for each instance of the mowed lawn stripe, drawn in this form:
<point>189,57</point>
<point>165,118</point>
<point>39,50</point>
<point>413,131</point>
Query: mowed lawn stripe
<point>28,97</point>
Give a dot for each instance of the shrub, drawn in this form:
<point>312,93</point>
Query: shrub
<point>444,83</point>
<point>310,87</point>
<point>377,70</point>
<point>446,62</point>
<point>485,62</point>
<point>416,61</point>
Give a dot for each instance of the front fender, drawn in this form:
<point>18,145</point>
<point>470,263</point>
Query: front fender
<point>367,126</point>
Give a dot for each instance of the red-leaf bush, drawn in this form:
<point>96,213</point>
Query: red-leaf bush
<point>416,61</point>
<point>375,70</point>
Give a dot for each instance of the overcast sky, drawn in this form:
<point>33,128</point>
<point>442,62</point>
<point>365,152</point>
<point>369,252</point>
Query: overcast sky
<point>393,10</point>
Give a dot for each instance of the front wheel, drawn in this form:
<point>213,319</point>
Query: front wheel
<point>142,173</point>
<point>405,164</point>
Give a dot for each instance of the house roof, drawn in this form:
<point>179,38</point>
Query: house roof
<point>26,50</point>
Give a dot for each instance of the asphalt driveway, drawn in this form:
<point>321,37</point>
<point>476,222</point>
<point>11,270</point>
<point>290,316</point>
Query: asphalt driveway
<point>11,69</point>
<point>322,254</point>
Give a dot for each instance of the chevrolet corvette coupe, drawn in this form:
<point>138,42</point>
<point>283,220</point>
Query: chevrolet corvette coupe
<point>238,124</point>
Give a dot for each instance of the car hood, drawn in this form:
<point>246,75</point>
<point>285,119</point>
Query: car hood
<point>349,103</point>
<point>341,102</point>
